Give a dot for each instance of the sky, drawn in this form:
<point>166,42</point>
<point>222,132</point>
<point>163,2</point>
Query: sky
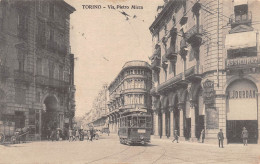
<point>102,40</point>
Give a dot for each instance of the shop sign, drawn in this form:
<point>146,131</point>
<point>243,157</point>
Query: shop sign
<point>209,92</point>
<point>242,62</point>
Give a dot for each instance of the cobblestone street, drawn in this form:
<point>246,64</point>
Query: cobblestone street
<point>109,150</point>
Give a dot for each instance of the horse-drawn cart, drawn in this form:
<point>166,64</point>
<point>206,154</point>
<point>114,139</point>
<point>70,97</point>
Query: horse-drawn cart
<point>8,134</point>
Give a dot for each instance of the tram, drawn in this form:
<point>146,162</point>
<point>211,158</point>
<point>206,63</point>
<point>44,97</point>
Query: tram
<point>135,128</point>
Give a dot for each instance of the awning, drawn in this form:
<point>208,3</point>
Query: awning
<point>164,102</point>
<point>171,98</point>
<point>240,40</point>
<point>240,2</point>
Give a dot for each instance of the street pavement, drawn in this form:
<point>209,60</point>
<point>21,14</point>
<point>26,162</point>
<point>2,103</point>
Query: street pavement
<point>108,150</point>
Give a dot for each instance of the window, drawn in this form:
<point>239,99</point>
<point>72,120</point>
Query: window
<point>38,96</point>
<point>60,72</point>
<point>31,117</point>
<point>20,95</point>
<point>51,10</point>
<point>141,122</point>
<point>39,66</point>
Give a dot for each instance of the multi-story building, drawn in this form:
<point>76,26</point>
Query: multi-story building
<point>129,92</point>
<point>206,69</point>
<point>100,110</point>
<point>37,70</point>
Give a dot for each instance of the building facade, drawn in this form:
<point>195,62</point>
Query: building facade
<point>205,69</point>
<point>129,92</point>
<point>100,110</point>
<point>37,70</point>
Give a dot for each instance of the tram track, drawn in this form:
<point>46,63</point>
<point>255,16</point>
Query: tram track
<point>136,154</point>
<point>108,156</point>
<point>161,156</point>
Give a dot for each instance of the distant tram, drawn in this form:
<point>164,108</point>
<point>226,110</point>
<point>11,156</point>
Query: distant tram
<point>135,128</point>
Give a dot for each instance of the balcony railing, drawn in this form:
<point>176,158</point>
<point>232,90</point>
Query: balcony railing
<point>241,19</point>
<point>194,35</point>
<point>156,63</point>
<point>23,76</point>
<point>170,82</point>
<point>46,81</point>
<point>193,72</point>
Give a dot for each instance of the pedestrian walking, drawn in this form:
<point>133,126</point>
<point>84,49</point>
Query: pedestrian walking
<point>244,136</point>
<point>52,135</point>
<point>70,135</point>
<point>77,135</point>
<point>220,138</point>
<point>202,135</point>
<point>91,134</point>
<point>58,135</point>
<point>176,137</point>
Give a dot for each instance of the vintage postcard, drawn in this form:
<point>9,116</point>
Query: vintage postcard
<point>129,81</point>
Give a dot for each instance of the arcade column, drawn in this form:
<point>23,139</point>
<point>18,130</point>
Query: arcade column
<point>156,130</point>
<point>181,108</point>
<point>172,125</point>
<point>193,125</point>
<point>163,125</point>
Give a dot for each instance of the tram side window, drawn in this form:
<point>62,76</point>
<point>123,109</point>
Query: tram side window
<point>148,122</point>
<point>141,121</point>
<point>134,122</point>
<point>129,121</point>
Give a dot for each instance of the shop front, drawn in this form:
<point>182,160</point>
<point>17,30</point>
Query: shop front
<point>242,110</point>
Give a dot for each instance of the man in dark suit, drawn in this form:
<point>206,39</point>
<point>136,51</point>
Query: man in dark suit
<point>220,138</point>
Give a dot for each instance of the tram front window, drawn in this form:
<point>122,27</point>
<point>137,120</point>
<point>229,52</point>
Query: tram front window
<point>134,122</point>
<point>142,122</point>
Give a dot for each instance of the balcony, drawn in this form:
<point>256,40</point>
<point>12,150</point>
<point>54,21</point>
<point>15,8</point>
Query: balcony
<point>22,76</point>
<point>170,82</point>
<point>155,65</point>
<point>50,82</point>
<point>193,72</point>
<point>183,49</point>
<point>194,35</point>
<point>243,19</point>
<point>171,54</point>
<point>22,31</point>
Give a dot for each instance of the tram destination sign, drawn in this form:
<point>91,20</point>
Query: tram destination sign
<point>209,92</point>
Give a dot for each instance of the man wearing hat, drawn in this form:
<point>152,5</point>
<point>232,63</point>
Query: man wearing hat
<point>244,136</point>
<point>176,137</point>
<point>220,138</point>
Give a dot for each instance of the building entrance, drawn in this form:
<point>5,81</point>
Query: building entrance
<point>235,127</point>
<point>242,111</point>
<point>50,117</point>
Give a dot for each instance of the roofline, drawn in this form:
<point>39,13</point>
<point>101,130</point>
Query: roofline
<point>162,14</point>
<point>123,68</point>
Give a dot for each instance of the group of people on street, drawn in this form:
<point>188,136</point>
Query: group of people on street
<point>220,136</point>
<point>244,136</point>
<point>76,134</point>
